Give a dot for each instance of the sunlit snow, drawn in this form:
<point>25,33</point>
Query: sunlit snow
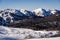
<point>21,33</point>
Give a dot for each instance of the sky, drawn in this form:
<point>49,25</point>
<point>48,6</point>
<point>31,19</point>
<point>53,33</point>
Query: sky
<point>29,4</point>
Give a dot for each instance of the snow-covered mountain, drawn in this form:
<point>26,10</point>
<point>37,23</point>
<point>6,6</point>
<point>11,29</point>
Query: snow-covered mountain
<point>44,12</point>
<point>26,12</point>
<point>39,12</point>
<point>8,15</point>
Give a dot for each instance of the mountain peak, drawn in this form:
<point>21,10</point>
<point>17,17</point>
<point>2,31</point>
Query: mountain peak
<point>39,11</point>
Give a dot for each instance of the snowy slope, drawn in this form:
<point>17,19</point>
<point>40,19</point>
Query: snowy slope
<point>54,38</point>
<point>39,12</point>
<point>53,11</point>
<point>26,12</point>
<point>21,33</point>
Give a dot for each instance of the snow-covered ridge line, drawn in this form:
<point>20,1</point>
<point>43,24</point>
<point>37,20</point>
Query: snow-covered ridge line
<point>20,33</point>
<point>38,12</point>
<point>9,15</point>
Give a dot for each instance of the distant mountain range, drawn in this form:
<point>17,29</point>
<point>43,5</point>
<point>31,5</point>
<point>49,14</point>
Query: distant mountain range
<point>8,16</point>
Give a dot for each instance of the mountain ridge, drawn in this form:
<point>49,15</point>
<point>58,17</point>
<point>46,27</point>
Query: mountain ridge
<point>10,15</point>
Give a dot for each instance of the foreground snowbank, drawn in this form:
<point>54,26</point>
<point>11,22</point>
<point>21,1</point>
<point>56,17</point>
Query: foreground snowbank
<point>55,38</point>
<point>21,33</point>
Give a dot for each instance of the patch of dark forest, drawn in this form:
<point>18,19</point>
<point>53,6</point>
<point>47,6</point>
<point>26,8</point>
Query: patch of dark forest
<point>45,23</point>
